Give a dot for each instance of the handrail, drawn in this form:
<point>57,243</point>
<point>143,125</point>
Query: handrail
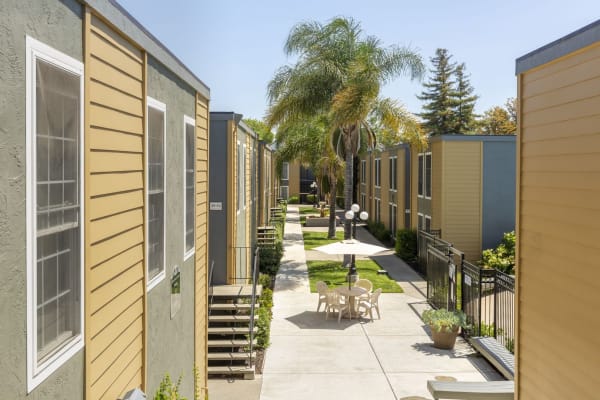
<point>253,304</point>
<point>210,275</point>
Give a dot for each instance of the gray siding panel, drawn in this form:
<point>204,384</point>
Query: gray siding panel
<point>499,190</point>
<point>217,237</point>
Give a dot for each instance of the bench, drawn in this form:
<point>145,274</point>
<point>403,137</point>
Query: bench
<point>491,390</point>
<point>502,359</point>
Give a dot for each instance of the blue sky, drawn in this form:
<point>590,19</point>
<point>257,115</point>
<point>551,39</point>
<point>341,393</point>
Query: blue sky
<point>235,46</point>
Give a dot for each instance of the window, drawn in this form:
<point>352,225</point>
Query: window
<point>393,162</point>
<point>155,210</point>
<point>285,171</point>
<point>420,177</point>
<point>363,171</point>
<point>241,176</point>
<point>377,210</point>
<point>420,222</point>
<point>393,210</point>
<point>189,179</point>
<point>363,201</point>
<point>427,175</point>
<point>54,207</point>
<point>427,223</point>
<point>378,172</point>
<point>283,192</point>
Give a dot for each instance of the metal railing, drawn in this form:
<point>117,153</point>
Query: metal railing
<point>253,304</point>
<point>424,240</point>
<point>486,296</point>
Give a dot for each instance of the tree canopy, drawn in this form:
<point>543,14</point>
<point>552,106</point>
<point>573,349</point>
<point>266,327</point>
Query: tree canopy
<point>499,120</point>
<point>261,129</point>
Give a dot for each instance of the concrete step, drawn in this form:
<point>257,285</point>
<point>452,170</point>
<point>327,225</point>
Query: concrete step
<point>231,318</point>
<point>248,372</point>
<point>229,306</point>
<point>230,330</point>
<point>229,342</point>
<point>230,356</point>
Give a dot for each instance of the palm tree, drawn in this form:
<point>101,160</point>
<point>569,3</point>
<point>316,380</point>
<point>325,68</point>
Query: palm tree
<point>306,141</point>
<point>339,73</point>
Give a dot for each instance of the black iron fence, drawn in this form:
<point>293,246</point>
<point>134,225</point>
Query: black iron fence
<point>486,296</point>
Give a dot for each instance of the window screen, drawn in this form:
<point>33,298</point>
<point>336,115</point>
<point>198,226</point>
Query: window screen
<point>156,192</point>
<point>421,173</point>
<point>190,157</point>
<point>428,175</point>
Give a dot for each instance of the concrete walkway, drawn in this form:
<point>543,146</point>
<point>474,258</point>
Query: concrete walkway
<point>391,358</point>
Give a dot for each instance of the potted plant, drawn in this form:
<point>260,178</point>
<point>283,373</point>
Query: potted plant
<point>445,326</point>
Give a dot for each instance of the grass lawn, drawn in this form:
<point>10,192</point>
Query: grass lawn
<point>308,210</point>
<point>334,275</point>
<point>316,239</point>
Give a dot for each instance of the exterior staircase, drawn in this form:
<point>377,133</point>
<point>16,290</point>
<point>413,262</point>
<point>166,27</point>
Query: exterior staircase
<point>229,321</point>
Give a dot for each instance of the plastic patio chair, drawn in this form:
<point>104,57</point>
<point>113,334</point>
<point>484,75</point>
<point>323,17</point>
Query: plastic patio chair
<point>323,289</point>
<point>334,303</point>
<point>367,285</point>
<point>372,303</point>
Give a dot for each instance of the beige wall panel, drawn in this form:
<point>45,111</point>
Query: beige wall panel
<point>121,342</point>
<point>112,77</point>
<point>438,177</point>
<point>201,262</point>
<point>111,97</point>
<point>414,182</point>
<point>112,119</point>
<point>115,245</point>
<point>104,49</point>
<point>104,294</point>
<point>115,224</point>
<point>557,97</point>
<point>115,288</point>
<point>130,378</point>
<point>108,270</point>
<point>110,205</point>
<point>461,207</point>
<point>580,72</point>
<point>577,109</point>
<point>577,127</point>
<point>559,218</point>
<point>114,330</point>
<point>107,314</point>
<point>101,139</point>
<point>131,354</point>
<point>104,184</point>
<point>106,161</point>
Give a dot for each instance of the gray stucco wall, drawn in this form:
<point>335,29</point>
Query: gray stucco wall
<point>171,341</point>
<point>499,191</point>
<point>217,237</point>
<point>57,24</point>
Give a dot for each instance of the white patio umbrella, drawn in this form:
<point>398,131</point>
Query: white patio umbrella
<point>350,246</point>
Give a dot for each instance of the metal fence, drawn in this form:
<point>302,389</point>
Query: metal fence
<point>486,296</point>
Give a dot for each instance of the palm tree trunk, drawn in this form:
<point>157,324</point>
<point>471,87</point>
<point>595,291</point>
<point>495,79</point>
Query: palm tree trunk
<point>348,191</point>
<point>332,199</point>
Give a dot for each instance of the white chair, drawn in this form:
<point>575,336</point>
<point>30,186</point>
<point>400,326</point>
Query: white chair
<point>367,285</point>
<point>372,303</point>
<point>334,303</point>
<point>322,288</point>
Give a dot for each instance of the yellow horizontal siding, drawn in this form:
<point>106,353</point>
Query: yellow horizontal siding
<point>461,206</point>
<point>115,268</point>
<point>558,229</point>
<point>201,261</point>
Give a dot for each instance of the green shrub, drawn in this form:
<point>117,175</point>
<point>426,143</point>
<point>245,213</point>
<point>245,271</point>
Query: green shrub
<point>442,320</point>
<point>406,244</point>
<point>167,390</point>
<point>378,230</point>
<point>311,198</point>
<point>264,280</point>
<point>266,298</point>
<point>263,325</point>
<point>294,199</point>
<point>270,258</point>
<point>502,257</point>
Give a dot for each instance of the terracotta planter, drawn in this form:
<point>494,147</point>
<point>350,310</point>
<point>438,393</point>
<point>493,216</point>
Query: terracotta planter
<point>444,340</point>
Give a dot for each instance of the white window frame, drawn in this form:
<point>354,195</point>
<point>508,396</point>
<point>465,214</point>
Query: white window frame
<point>37,50</point>
<point>393,173</point>
<point>377,216</point>
<point>393,221</point>
<point>363,171</point>
<point>377,172</point>
<point>420,221</point>
<point>285,166</point>
<point>160,106</point>
<point>188,121</point>
<point>427,218</point>
<point>244,175</point>
<point>286,191</point>
<point>427,154</point>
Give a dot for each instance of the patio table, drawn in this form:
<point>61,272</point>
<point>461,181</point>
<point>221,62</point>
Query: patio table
<point>351,294</point>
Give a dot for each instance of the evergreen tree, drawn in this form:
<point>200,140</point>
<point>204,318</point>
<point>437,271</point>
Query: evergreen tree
<point>439,95</point>
<point>465,102</point>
